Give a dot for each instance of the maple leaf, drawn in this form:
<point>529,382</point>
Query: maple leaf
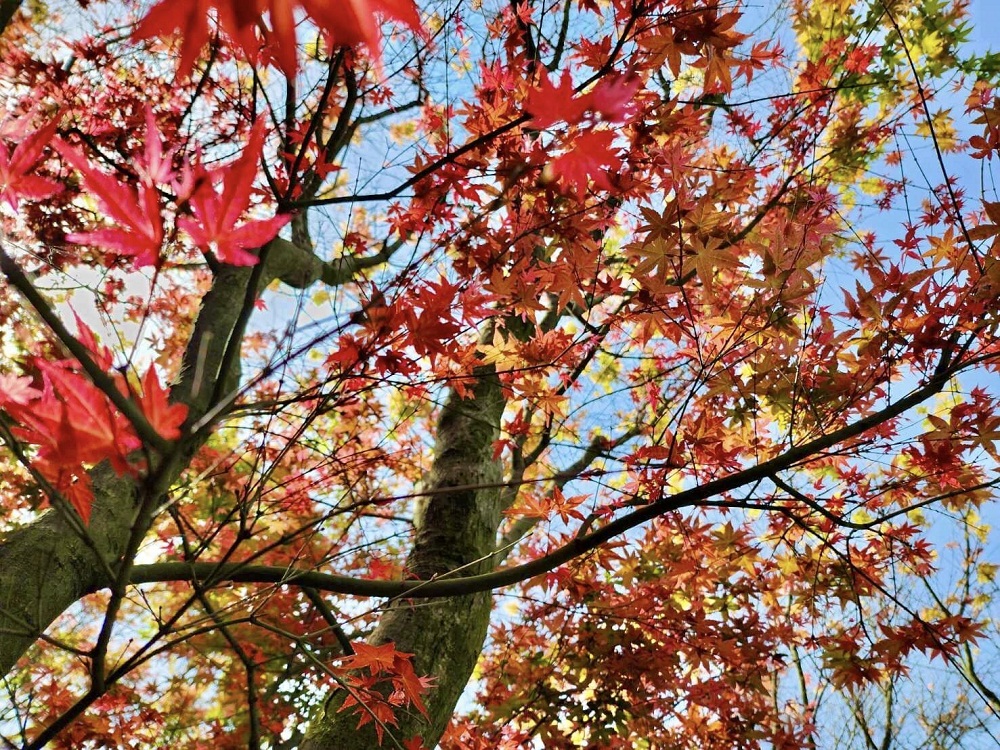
<point>663,49</point>
<point>530,506</point>
<point>77,490</point>
<point>718,78</point>
<point>379,711</point>
<point>550,104</point>
<point>655,257</point>
<point>707,256</point>
<point>666,454</point>
<point>16,390</point>
<point>986,230</point>
<point>74,421</point>
<point>189,17</point>
<point>164,417</point>
<point>17,165</point>
<point>379,569</point>
<point>223,196</point>
<point>430,317</point>
<point>73,424</point>
<point>101,354</point>
<point>157,165</point>
<point>72,482</point>
<point>139,231</point>
<point>761,53</point>
<point>353,22</point>
<point>590,160</point>
<point>343,23</point>
<point>566,507</point>
<point>376,658</point>
<point>409,683</point>
<point>612,98</point>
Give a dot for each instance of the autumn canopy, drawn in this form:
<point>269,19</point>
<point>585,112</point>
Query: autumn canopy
<point>474,374</point>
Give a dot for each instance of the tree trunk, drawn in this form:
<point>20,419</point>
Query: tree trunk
<point>47,566</point>
<point>457,531</point>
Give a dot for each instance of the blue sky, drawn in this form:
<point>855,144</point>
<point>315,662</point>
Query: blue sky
<point>986,23</point>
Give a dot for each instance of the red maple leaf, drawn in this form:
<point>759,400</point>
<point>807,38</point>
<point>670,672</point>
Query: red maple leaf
<point>72,482</point>
<point>74,422</point>
<point>139,225</point>
<point>550,104</point>
<point>164,417</point>
<point>190,17</point>
<point>612,98</point>
<point>101,354</point>
<point>379,569</point>
<point>17,165</point>
<point>590,160</point>
<point>350,22</point>
<point>222,197</point>
<point>430,317</point>
<point>344,23</point>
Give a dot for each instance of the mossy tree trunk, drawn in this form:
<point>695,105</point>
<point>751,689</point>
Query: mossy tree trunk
<point>457,531</point>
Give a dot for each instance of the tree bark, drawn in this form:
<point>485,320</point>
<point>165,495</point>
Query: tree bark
<point>47,566</point>
<point>457,532</point>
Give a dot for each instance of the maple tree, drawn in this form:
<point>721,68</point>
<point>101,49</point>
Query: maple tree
<point>612,362</point>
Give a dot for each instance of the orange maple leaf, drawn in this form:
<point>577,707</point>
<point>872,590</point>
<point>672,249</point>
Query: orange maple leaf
<point>707,256</point>
<point>409,683</point>
<point>376,658</point>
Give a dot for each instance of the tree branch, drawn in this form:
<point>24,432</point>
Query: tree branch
<point>7,10</point>
<point>446,585</point>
